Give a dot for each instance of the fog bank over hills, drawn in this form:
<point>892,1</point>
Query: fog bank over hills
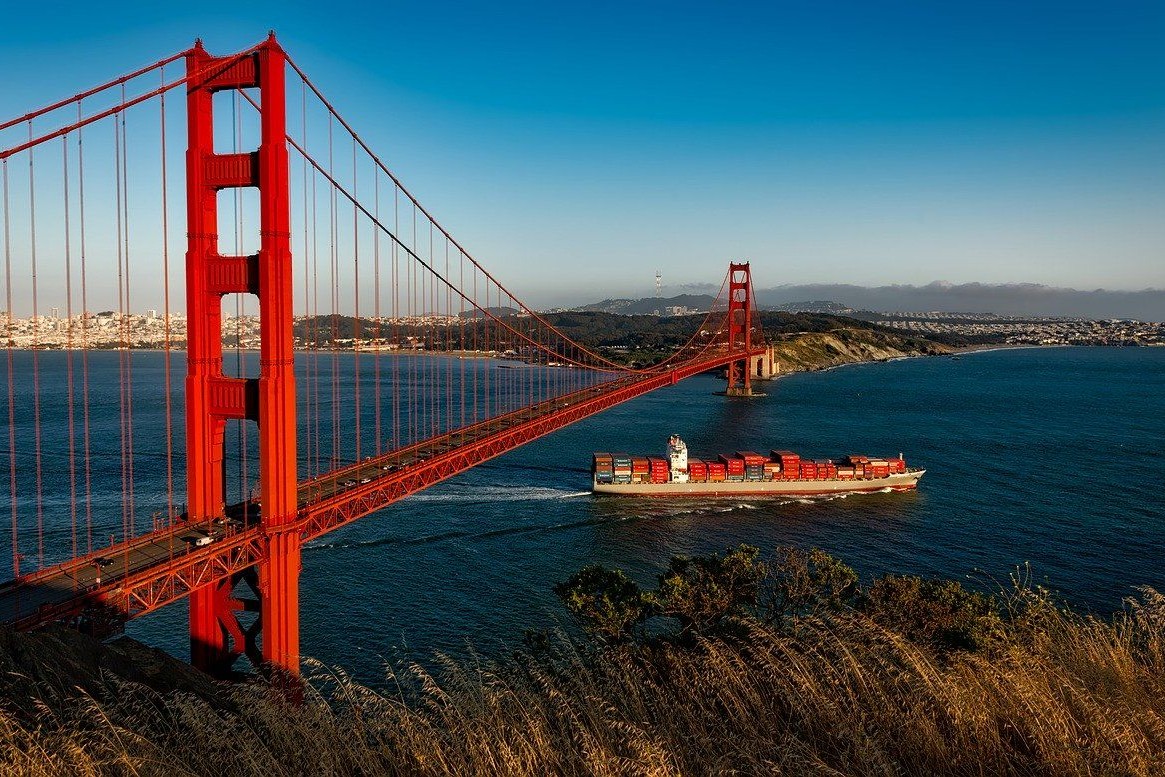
<point>1020,299</point>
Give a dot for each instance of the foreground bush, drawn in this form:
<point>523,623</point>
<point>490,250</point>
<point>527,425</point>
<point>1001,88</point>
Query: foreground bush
<point>828,686</point>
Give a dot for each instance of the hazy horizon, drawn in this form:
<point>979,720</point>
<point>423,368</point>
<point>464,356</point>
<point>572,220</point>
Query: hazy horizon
<point>1003,299</point>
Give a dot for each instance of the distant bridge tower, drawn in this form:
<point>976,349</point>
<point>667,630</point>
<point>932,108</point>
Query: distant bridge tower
<point>658,283</point>
<point>217,637</point>
<point>740,328</point>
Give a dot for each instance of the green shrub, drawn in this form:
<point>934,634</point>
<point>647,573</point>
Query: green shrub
<point>605,602</point>
<point>705,591</point>
<point>940,613</point>
<point>807,582</point>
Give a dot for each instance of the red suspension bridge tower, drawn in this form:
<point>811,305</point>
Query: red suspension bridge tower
<point>216,635</point>
<point>740,329</point>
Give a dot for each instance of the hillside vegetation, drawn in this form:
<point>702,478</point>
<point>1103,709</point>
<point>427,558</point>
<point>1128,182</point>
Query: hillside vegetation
<point>806,340</point>
<point>820,350</point>
<point>731,664</point>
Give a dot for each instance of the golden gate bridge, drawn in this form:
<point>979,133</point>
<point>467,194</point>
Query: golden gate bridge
<point>369,384</point>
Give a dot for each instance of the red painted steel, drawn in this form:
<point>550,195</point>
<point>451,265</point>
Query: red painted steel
<point>212,398</point>
<point>204,427</point>
<point>739,326</point>
<point>279,571</point>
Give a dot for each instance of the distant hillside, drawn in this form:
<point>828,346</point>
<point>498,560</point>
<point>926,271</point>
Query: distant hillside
<point>805,341</point>
<point>501,312</point>
<point>1014,299</point>
<point>1005,299</point>
<point>817,306</point>
<point>820,339</point>
<point>821,350</point>
<point>648,305</point>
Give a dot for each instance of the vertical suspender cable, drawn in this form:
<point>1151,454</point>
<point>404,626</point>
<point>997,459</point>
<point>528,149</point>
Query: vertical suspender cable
<point>35,358</point>
<point>126,319</point>
<point>309,442</point>
<point>166,357</point>
<point>396,320</point>
<point>334,290</point>
<point>448,368</point>
<point>461,327</point>
<point>315,325</point>
<point>84,339</point>
<point>120,311</point>
<point>478,363</point>
<point>412,386</point>
<point>358,327</point>
<point>9,344</point>
<point>376,306</point>
<point>69,390</point>
<point>121,332</point>
<point>435,362</point>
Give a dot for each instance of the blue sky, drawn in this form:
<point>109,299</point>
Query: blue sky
<point>576,148</point>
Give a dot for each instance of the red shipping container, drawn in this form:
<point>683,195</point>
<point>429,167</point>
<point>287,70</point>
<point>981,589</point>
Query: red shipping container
<point>751,458</point>
<point>734,463</point>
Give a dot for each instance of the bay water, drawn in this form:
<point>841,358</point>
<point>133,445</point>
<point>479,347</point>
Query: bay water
<point>1049,460</point>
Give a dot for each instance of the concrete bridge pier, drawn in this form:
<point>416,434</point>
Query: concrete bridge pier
<point>765,366</point>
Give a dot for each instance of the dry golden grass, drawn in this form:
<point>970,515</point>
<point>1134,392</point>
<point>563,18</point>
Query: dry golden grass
<point>1058,694</point>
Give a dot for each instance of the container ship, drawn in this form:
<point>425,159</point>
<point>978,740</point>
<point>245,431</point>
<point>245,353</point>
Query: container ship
<point>782,473</point>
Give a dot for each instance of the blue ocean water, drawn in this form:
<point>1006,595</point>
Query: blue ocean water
<point>1048,457</point>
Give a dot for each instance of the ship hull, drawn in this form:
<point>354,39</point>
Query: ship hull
<point>905,481</point>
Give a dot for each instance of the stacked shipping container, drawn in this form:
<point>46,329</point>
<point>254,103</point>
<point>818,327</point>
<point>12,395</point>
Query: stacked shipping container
<point>743,466</point>
<point>734,467</point>
<point>622,468</point>
<point>604,468</point>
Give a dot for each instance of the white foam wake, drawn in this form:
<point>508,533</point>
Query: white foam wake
<point>500,494</point>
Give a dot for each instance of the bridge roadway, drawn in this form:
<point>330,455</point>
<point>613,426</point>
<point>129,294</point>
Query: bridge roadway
<point>134,577</point>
